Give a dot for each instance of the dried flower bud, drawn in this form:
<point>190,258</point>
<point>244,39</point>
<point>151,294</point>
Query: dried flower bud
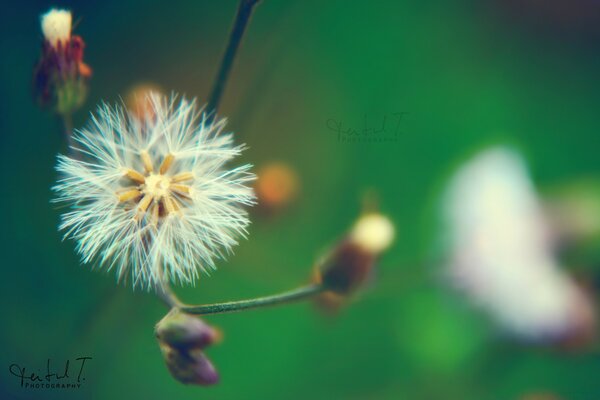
<point>351,262</point>
<point>60,76</point>
<point>181,338</point>
<point>181,330</point>
<point>346,268</point>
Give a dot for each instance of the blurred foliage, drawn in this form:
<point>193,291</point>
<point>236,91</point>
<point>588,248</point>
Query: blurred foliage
<point>467,73</point>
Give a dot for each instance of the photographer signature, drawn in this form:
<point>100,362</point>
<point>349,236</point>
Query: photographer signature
<point>382,132</point>
<point>28,378</point>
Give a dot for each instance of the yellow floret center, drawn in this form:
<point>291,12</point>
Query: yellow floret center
<point>157,185</point>
<point>156,192</point>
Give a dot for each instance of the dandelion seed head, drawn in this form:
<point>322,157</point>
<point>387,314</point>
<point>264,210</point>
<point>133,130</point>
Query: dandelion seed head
<point>56,26</point>
<point>153,198</point>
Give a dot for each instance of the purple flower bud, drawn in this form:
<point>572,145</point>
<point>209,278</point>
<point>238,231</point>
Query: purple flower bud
<point>184,331</point>
<point>182,337</point>
<point>189,367</point>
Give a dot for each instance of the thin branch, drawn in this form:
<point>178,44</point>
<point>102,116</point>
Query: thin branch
<point>235,306</point>
<point>67,123</point>
<point>244,12</point>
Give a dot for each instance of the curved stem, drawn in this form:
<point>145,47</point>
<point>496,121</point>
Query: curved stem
<point>235,306</point>
<point>168,296</point>
<point>235,37</point>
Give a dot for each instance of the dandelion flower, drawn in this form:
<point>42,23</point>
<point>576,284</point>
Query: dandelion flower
<point>152,199</point>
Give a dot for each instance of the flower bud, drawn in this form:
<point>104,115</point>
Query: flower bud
<point>184,331</point>
<point>189,367</point>
<point>346,268</point>
<point>350,263</point>
<point>181,338</point>
<point>60,76</point>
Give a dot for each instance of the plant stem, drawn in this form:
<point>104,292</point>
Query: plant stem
<point>67,122</point>
<point>168,296</point>
<point>244,12</point>
<point>235,306</point>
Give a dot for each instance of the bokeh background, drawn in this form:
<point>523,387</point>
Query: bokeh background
<point>467,73</point>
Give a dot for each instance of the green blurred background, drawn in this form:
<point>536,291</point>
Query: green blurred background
<point>468,73</point>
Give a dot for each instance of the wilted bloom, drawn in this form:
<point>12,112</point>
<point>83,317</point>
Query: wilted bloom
<point>182,339</point>
<point>60,76</point>
<point>153,198</point>
<point>501,254</point>
<point>350,263</point>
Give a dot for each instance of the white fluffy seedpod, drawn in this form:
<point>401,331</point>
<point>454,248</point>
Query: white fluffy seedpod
<point>373,233</point>
<point>153,198</point>
<point>500,251</point>
<point>56,26</point>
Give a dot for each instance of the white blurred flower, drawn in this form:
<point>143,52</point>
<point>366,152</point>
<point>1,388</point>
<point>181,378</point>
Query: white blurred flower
<point>501,253</point>
<point>152,198</point>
